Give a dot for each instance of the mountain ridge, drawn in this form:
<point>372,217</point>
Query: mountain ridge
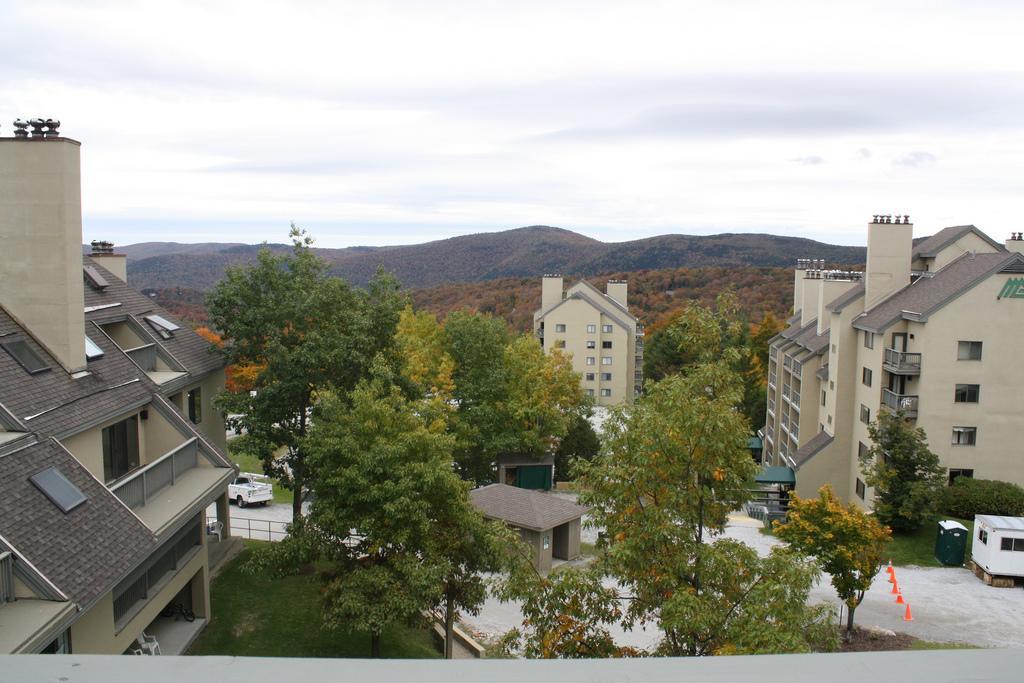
<point>521,252</point>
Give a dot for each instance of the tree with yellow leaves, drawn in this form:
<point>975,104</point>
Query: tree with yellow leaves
<point>846,542</point>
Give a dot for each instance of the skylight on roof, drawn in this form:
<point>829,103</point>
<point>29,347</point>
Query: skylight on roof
<point>92,349</point>
<point>162,325</point>
<point>26,357</point>
<point>96,281</point>
<point>58,489</point>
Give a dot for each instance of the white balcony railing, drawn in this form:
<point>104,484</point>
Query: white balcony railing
<point>904,402</point>
<point>902,363</point>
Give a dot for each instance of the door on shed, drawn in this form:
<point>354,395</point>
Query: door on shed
<point>534,477</point>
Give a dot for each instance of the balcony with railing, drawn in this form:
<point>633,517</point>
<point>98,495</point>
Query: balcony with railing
<point>901,362</point>
<point>165,489</point>
<point>900,402</point>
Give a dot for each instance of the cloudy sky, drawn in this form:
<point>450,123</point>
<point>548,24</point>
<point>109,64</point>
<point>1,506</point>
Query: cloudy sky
<point>400,122</point>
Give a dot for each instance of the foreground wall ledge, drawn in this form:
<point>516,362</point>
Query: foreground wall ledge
<point>934,666</point>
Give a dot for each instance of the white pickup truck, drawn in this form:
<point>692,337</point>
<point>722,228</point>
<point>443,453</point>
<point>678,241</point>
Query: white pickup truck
<point>247,490</point>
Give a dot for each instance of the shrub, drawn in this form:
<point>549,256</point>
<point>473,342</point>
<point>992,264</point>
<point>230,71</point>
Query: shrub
<point>968,497</point>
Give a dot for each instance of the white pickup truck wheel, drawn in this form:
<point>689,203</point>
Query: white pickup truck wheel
<point>240,502</point>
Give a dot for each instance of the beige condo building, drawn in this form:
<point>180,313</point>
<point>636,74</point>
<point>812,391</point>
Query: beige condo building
<point>931,329</point>
<point>110,446</point>
<point>604,340</point>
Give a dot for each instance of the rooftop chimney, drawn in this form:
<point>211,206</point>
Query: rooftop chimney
<point>41,281</point>
<point>617,291</point>
<point>103,253</point>
<point>550,291</point>
<point>890,243</point>
<point>802,266</point>
<point>1016,242</point>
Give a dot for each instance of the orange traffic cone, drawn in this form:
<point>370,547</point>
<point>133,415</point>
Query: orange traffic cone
<point>892,576</point>
<point>908,616</point>
<point>895,588</point>
<point>889,569</point>
<point>899,599</point>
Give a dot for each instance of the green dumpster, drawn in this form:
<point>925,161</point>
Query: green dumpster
<point>950,543</point>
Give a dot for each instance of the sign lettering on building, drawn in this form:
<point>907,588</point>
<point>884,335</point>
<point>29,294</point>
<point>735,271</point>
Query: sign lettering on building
<point>1013,289</point>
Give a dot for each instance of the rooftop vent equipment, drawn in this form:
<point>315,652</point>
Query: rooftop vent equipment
<point>41,128</point>
<point>164,327</point>
<point>58,489</point>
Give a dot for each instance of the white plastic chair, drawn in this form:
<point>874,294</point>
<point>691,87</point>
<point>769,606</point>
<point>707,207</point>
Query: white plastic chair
<point>215,528</point>
<point>148,644</point>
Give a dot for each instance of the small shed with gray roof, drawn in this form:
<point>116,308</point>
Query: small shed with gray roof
<point>549,524</point>
<point>998,545</point>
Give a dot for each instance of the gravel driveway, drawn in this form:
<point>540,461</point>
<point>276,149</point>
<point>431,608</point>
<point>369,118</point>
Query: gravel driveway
<point>948,605</point>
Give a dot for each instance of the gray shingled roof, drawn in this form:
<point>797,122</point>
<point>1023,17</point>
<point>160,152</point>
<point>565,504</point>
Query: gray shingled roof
<point>930,247</point>
<point>84,552</point>
<point>807,337</point>
<point>927,294</point>
<point>186,346</point>
<point>524,508</point>
<point>58,401</point>
<point>812,448</point>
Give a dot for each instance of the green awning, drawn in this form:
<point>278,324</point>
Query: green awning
<point>754,443</point>
<point>776,475</point>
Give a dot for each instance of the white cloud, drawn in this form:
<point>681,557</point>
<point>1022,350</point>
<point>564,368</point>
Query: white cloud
<point>399,122</point>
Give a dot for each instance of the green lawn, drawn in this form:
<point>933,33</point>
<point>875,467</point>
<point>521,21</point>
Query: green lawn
<point>258,617</point>
<point>918,548</point>
<point>250,463</point>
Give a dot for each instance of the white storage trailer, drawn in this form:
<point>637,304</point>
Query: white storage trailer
<point>998,545</point>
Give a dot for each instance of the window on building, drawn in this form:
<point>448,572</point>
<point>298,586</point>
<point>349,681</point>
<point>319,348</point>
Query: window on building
<point>591,344</point>
<point>92,350</point>
<point>861,489</point>
<point>833,348</point>
<point>195,405</point>
<point>983,536</point>
<point>591,329</point>
<point>590,360</point>
<point>589,376</point>
<point>559,327</point>
<point>606,392</point>
<point>965,436</point>
<point>590,392</point>
<point>966,393</point>
<point>559,343</point>
<point>823,397</point>
<point>869,340</point>
<point>606,360</point>
<point>830,420</point>
<point>865,414</point>
<point>606,329</point>
<point>862,450</point>
<point>120,448</point>
<point>832,385</point>
<point>955,473</point>
<point>58,488</point>
<point>606,345</point>
<point>865,376</point>
<point>968,350</point>
<point>1015,544</point>
<point>606,377</point>
<point>26,356</point>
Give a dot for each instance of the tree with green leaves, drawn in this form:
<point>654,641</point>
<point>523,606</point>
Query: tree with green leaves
<point>302,332</point>
<point>672,467</point>
<point>509,397</point>
<point>846,542</point>
<point>905,473</point>
<point>581,442</point>
<point>390,523</point>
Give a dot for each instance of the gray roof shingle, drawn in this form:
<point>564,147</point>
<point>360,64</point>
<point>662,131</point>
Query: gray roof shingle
<point>927,294</point>
<point>812,448</point>
<point>524,508</point>
<point>85,552</point>
<point>930,247</point>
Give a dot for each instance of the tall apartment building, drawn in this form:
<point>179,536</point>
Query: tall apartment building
<point>110,447</point>
<point>605,341</point>
<point>931,329</point>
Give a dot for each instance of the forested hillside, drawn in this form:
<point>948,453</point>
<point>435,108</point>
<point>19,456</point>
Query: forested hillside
<point>521,253</point>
